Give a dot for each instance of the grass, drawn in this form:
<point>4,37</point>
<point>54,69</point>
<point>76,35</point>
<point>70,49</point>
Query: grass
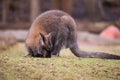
<point>14,65</point>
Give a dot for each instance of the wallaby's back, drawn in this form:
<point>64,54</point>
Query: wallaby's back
<point>53,20</point>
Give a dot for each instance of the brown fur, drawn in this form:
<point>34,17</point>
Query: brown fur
<point>53,30</point>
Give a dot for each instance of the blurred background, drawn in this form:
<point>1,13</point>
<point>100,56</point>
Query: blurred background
<point>96,19</point>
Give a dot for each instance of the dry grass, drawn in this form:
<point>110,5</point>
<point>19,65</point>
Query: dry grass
<point>14,65</point>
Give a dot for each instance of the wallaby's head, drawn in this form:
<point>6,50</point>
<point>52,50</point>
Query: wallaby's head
<point>40,46</point>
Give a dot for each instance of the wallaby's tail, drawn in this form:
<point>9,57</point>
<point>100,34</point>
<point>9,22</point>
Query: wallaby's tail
<point>84,54</point>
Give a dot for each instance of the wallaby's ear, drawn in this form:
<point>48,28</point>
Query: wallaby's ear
<point>42,38</point>
<point>50,35</point>
<point>50,39</point>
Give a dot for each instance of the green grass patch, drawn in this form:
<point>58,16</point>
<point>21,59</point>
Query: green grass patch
<point>14,65</point>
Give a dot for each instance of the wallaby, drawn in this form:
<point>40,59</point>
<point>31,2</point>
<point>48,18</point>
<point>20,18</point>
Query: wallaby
<point>53,30</point>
